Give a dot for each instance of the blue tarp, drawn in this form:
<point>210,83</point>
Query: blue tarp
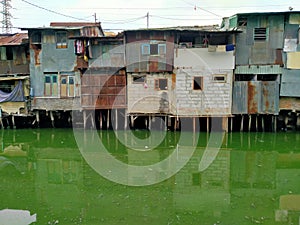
<point>17,94</point>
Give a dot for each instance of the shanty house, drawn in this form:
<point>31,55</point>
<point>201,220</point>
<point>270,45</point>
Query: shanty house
<point>266,60</point>
<point>14,76</point>
<point>203,65</point>
<point>57,62</point>
<point>149,67</point>
<point>103,87</point>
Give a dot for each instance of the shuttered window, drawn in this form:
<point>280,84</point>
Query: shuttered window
<point>50,86</point>
<point>260,34</point>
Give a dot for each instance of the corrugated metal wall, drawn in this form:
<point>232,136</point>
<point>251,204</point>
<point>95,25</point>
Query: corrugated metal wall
<point>103,91</point>
<point>255,97</point>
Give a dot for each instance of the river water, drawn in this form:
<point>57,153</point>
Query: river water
<point>59,176</point>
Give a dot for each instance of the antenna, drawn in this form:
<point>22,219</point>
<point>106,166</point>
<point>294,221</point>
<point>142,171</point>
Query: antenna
<point>95,17</point>
<point>6,23</point>
<point>147,20</point>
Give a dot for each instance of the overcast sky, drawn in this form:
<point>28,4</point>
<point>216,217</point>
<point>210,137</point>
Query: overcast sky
<point>131,14</point>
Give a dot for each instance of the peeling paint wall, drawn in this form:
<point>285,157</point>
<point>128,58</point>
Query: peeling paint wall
<point>47,59</point>
<point>18,64</point>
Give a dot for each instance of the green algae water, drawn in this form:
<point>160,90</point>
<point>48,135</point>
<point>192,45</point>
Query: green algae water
<point>254,178</point>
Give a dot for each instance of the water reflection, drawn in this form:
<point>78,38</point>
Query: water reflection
<point>253,179</point>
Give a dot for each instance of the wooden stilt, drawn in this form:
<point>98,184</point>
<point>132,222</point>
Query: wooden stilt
<point>242,124</point>
<point>84,119</point>
<point>107,120</point>
<point>272,123</point>
<point>52,118</point>
<point>125,120</point>
<point>149,122</point>
<point>132,121</point>
<point>1,122</point>
<point>249,125</point>
<point>166,123</point>
<point>275,123</point>
<point>256,123</point>
<point>92,120</point>
<point>263,123</point>
<point>100,120</point>
<point>13,122</point>
<point>225,124</point>
<point>207,124</point>
<point>231,124</point>
<point>194,124</point>
<point>116,119</point>
<point>37,115</point>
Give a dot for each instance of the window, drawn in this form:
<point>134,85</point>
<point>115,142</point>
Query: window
<point>161,84</point>
<point>162,49</point>
<point>198,83</point>
<point>138,79</point>
<point>145,49</point>
<point>61,39</point>
<point>67,86</point>
<point>242,21</point>
<point>9,53</point>
<point>260,34</point>
<point>36,38</point>
<point>219,78</point>
<point>153,49</point>
<point>51,87</point>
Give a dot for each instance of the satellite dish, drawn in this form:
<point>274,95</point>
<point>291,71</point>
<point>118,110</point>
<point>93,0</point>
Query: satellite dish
<point>291,8</point>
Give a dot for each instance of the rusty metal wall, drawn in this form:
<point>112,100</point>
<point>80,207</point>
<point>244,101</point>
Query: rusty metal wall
<point>240,97</point>
<point>138,62</point>
<point>252,52</point>
<point>103,91</point>
<point>270,97</point>
<point>255,97</point>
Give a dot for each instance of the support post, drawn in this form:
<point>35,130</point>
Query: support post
<point>84,119</point>
<point>207,124</point>
<point>249,125</point>
<point>107,120</point>
<point>1,122</point>
<point>194,124</point>
<point>275,124</point>
<point>101,120</point>
<point>116,119</point>
<point>263,123</point>
<point>242,124</point>
<point>13,121</point>
<point>256,123</point>
<point>52,118</point>
<point>125,120</point>
<point>225,124</point>
<point>37,115</point>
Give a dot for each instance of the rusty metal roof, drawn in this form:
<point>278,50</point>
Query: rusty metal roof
<point>13,39</point>
<point>205,28</point>
<point>73,24</point>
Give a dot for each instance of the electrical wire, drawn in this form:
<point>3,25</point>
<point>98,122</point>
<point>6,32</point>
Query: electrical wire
<point>49,10</point>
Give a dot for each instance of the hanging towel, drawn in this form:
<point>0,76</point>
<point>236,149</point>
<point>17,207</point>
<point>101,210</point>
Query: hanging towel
<point>229,47</point>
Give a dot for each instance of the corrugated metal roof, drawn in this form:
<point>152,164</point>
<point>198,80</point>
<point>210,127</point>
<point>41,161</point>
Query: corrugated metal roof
<point>258,69</point>
<point>14,78</point>
<point>14,39</point>
<point>74,24</point>
<point>206,28</point>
